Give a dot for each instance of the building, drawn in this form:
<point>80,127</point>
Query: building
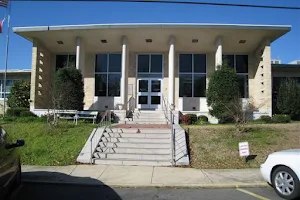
<point>295,62</point>
<point>153,62</point>
<point>11,77</point>
<point>277,61</point>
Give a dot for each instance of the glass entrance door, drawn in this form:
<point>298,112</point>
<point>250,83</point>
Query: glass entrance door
<point>149,93</point>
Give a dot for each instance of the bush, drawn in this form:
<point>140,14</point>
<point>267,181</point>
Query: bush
<point>27,113</point>
<point>223,89</point>
<point>281,119</point>
<point>288,99</point>
<point>24,119</point>
<point>19,94</point>
<point>68,89</point>
<point>265,119</point>
<point>202,119</point>
<point>186,119</point>
<point>15,112</point>
<point>193,118</point>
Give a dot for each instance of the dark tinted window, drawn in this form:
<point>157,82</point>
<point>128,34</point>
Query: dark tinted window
<point>101,62</point>
<point>143,63</point>
<point>185,63</point>
<point>199,63</point>
<point>241,63</point>
<point>115,62</point>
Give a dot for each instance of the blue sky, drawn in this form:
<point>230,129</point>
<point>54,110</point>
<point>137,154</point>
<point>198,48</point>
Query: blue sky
<point>33,13</point>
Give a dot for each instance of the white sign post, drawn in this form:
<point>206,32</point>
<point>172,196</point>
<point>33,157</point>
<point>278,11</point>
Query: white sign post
<point>244,149</point>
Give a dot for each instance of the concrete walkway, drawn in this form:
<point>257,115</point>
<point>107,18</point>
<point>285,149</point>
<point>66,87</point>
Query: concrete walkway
<point>141,176</point>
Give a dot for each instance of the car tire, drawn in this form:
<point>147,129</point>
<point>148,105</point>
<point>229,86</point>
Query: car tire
<point>286,183</point>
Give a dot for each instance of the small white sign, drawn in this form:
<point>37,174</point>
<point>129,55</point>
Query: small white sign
<point>244,149</point>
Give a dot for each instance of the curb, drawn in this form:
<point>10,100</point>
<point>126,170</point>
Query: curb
<point>198,186</point>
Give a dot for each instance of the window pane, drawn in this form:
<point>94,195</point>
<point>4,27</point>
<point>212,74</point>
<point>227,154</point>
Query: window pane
<point>185,85</point>
<point>115,62</point>
<point>155,100</point>
<point>101,63</point>
<point>72,61</point>
<point>61,61</point>
<point>200,63</point>
<point>156,63</point>
<point>229,60</point>
<point>100,84</point>
<point>199,85</point>
<point>185,63</point>
<point>241,63</point>
<point>243,86</point>
<point>143,85</point>
<point>143,63</point>
<point>114,84</point>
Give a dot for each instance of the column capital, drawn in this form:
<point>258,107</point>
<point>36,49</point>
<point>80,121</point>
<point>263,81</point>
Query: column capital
<point>171,39</point>
<point>219,40</point>
<point>124,39</point>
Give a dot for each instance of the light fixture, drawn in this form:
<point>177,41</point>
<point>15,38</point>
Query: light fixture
<point>194,40</point>
<point>104,41</point>
<point>148,40</point>
<point>60,42</point>
<point>242,41</point>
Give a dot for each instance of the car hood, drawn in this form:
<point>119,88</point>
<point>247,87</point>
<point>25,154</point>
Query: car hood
<point>287,152</point>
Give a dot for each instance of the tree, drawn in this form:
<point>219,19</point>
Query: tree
<point>288,99</point>
<point>68,91</point>
<point>223,90</point>
<point>19,94</point>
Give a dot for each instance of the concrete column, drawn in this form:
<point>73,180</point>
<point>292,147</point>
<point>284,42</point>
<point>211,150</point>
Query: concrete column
<point>219,52</point>
<point>123,70</point>
<point>80,55</point>
<point>78,45</point>
<point>171,69</point>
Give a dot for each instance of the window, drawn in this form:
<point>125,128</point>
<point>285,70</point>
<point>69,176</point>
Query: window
<point>108,74</point>
<point>65,61</point>
<point>192,75</point>
<point>150,65</point>
<point>240,65</point>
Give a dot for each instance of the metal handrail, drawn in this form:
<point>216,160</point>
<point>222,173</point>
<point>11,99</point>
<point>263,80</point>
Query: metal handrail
<point>104,122</point>
<point>129,108</point>
<point>167,109</point>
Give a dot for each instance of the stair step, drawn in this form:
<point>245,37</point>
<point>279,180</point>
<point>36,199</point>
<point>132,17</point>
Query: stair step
<point>130,139</point>
<point>156,157</point>
<point>132,162</point>
<point>138,135</point>
<point>135,150</point>
<point>147,118</point>
<point>145,122</point>
<point>135,145</point>
<point>142,130</point>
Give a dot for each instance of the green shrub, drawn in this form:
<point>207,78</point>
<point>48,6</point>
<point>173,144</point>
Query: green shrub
<point>27,113</point>
<point>15,112</point>
<point>222,90</point>
<point>265,119</point>
<point>9,119</point>
<point>193,118</point>
<point>68,89</point>
<point>185,119</point>
<point>281,119</point>
<point>202,119</point>
<point>19,94</point>
<point>288,99</point>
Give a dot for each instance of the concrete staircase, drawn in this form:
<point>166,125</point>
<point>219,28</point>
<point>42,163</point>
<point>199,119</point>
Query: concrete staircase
<point>146,117</point>
<point>135,146</point>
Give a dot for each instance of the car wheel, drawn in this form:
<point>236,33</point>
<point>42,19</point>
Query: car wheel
<point>286,183</point>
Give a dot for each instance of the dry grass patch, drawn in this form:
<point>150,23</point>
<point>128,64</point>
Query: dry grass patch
<point>216,147</point>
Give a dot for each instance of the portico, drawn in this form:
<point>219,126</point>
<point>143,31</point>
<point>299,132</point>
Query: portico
<point>148,62</point>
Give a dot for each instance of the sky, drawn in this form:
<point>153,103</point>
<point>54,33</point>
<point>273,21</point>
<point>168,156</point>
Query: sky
<point>45,13</point>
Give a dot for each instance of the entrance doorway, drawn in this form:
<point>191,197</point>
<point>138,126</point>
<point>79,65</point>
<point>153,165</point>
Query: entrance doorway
<point>149,93</point>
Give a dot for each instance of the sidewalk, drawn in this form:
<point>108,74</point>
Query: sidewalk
<point>142,176</point>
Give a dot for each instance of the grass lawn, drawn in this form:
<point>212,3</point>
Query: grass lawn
<point>217,146</point>
<point>43,146</point>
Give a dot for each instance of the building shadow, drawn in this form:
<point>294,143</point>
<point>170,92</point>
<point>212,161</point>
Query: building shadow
<point>61,186</point>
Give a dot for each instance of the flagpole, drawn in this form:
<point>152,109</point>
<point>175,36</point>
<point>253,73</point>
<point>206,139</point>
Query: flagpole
<point>6,54</point>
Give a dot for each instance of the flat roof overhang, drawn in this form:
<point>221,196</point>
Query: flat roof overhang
<point>184,33</point>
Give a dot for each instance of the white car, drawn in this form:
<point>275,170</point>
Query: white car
<point>282,170</point>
